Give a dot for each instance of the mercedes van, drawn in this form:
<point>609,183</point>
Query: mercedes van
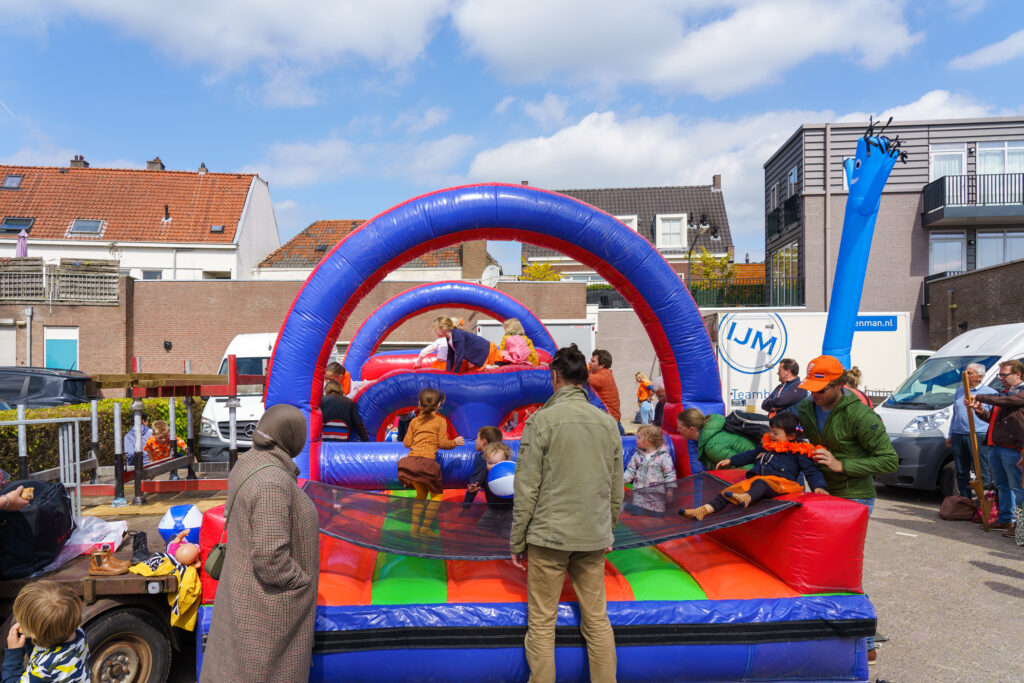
<point>917,415</point>
<point>252,354</point>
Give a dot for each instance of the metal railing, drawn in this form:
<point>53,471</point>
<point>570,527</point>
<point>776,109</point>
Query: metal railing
<point>773,222</point>
<point>790,211</point>
<point>992,189</point>
<point>748,291</point>
<point>29,280</point>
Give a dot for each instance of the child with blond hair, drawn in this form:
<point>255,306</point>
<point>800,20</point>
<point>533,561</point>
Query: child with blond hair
<point>651,465</point>
<point>427,432</point>
<point>645,398</point>
<point>515,346</point>
<point>465,349</point>
<point>48,613</point>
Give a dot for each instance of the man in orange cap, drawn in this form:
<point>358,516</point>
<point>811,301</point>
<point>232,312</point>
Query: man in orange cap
<point>852,444</point>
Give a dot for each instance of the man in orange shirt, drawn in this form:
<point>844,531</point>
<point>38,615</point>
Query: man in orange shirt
<point>603,383</point>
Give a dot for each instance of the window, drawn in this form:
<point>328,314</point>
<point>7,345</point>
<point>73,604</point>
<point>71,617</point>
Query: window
<point>217,228</point>
<point>86,225</point>
<point>61,347</point>
<point>785,264</point>
<point>773,198</point>
<point>947,159</point>
<point>946,253</point>
<point>152,275</point>
<point>793,185</point>
<point>12,182</point>
<point>628,220</point>
<point>670,231</point>
<point>998,246</point>
<point>1001,157</point>
<point>842,169</point>
<point>16,225</point>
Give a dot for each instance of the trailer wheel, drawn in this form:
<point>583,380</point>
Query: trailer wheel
<point>128,646</point>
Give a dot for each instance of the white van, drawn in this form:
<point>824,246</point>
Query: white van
<point>917,414</point>
<point>252,353</point>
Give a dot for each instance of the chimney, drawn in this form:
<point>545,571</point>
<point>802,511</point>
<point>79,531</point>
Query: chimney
<point>524,182</point>
<point>78,161</point>
<point>716,182</point>
<point>474,259</point>
<point>155,165</point>
<point>202,168</point>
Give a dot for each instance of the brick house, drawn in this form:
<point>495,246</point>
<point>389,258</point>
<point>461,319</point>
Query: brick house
<point>296,258</point>
<point>158,224</point>
<point>956,205</point>
<point>676,220</point>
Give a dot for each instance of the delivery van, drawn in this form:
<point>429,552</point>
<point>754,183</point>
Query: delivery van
<point>918,413</point>
<point>252,354</point>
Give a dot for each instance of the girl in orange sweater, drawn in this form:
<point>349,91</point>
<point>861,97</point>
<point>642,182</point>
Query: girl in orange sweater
<point>427,432</point>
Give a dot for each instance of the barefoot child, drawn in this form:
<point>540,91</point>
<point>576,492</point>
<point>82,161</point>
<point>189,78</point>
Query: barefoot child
<point>650,465</point>
<point>778,464</point>
<point>515,346</point>
<point>427,432</point>
<point>484,437</point>
<point>48,614</point>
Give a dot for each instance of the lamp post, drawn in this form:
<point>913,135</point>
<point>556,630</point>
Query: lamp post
<point>698,230</point>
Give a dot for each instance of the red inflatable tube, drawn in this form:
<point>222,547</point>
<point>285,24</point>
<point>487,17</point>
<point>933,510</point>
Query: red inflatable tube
<point>815,548</point>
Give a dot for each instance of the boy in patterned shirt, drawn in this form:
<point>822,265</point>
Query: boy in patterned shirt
<point>48,613</point>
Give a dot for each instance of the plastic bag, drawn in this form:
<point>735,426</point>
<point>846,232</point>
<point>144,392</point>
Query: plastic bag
<point>92,533</point>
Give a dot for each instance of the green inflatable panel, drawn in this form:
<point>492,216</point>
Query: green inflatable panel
<point>653,576</point>
<point>405,580</point>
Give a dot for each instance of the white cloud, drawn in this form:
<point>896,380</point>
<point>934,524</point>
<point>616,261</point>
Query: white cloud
<point>46,154</point>
<point>422,121</point>
<point>505,103</point>
<point>549,112</point>
<point>1009,48</point>
<point>966,8</point>
<point>288,87</point>
<point>937,104</point>
<point>430,163</point>
<point>711,48</point>
<point>291,164</point>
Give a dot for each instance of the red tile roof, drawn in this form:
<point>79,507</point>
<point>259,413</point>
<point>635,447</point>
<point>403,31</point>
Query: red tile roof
<point>129,202</point>
<point>307,248</point>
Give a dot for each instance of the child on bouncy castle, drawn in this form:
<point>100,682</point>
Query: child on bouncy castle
<point>778,464</point>
<point>497,518</point>
<point>427,432</point>
<point>515,346</point>
<point>651,465</point>
<point>465,349</point>
<point>484,437</point>
<point>438,347</point>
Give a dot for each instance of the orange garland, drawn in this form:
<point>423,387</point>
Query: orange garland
<point>798,447</point>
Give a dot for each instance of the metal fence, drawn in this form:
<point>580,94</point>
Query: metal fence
<point>987,189</point>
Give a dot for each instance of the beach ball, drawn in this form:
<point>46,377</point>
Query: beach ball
<point>178,518</point>
<point>500,479</point>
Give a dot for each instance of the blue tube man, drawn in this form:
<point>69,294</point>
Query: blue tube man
<point>866,175</point>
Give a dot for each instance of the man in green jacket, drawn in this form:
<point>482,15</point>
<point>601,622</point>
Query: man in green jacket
<point>852,444</point>
<point>567,497</point>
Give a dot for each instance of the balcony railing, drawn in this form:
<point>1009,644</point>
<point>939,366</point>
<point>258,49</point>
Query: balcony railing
<point>29,280</point>
<point>995,189</point>
<point>773,223</point>
<point>791,211</point>
<point>748,291</point>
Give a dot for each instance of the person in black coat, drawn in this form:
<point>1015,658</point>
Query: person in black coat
<point>341,418</point>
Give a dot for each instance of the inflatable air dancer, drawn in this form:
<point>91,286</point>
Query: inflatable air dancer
<point>866,175</point>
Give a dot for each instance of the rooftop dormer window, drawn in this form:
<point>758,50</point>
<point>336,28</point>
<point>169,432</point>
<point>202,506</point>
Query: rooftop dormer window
<point>12,226</point>
<point>87,226</point>
<point>217,229</point>
<point>12,182</point>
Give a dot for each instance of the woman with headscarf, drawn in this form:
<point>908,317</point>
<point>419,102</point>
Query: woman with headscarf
<point>265,609</point>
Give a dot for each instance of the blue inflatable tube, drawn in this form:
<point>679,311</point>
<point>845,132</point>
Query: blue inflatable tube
<point>433,296</point>
<point>866,175</point>
<point>510,212</point>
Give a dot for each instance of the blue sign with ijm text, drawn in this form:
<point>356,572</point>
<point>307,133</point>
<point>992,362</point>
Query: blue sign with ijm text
<point>875,323</point>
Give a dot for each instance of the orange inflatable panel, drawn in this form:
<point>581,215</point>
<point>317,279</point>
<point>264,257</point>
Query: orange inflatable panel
<point>346,573</point>
<point>722,574</point>
<point>499,581</point>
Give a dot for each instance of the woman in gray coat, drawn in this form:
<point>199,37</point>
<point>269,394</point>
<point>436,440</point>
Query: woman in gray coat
<point>265,608</point>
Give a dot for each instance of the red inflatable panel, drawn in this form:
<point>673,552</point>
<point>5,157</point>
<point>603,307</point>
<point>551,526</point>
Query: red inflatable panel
<point>210,534</point>
<point>346,573</point>
<point>681,449</point>
<point>499,581</point>
<point>721,573</point>
<point>816,548</point>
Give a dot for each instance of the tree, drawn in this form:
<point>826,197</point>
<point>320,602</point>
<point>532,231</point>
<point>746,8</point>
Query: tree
<point>710,276</point>
<point>540,271</point>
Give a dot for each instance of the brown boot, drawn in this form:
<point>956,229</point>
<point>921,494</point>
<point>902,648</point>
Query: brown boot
<point>427,530</point>
<point>103,563</point>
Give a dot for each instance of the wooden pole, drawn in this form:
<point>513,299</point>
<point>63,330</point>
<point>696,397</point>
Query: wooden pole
<point>978,485</point>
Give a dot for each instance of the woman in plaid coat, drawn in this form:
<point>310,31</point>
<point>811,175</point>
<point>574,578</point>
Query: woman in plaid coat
<point>265,609</point>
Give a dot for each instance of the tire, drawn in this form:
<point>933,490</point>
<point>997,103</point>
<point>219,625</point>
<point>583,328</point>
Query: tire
<point>128,646</point>
<point>947,479</point>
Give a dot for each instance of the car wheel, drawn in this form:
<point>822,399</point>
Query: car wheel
<point>128,646</point>
<point>947,479</point>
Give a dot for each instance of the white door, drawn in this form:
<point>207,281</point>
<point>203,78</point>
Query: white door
<point>8,350</point>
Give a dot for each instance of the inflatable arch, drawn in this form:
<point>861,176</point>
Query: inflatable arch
<point>501,212</point>
<point>433,296</point>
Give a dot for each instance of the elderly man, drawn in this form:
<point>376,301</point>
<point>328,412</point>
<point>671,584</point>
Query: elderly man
<point>566,503</point>
<point>788,394</point>
<point>852,444</point>
<point>958,439</point>
<point>1005,440</point>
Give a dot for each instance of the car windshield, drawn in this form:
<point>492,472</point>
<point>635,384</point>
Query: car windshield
<point>932,385</point>
<point>246,366</point>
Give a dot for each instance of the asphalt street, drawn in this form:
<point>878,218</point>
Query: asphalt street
<point>949,596</point>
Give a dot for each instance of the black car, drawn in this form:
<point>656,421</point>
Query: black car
<point>44,388</point>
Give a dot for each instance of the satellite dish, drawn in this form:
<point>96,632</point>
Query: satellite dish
<point>490,276</point>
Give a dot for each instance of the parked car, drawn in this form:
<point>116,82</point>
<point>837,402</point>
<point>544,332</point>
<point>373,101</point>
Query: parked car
<point>917,414</point>
<point>44,388</point>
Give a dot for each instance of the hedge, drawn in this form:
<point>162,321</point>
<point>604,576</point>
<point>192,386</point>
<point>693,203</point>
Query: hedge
<point>42,439</point>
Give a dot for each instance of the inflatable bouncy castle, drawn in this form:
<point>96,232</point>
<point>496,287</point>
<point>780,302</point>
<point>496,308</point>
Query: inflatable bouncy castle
<point>772,592</point>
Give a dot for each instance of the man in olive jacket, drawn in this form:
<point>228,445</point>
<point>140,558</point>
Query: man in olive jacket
<point>567,497</point>
<point>853,445</point>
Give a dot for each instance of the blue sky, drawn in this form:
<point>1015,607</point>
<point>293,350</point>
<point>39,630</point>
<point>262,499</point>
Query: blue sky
<point>348,107</point>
